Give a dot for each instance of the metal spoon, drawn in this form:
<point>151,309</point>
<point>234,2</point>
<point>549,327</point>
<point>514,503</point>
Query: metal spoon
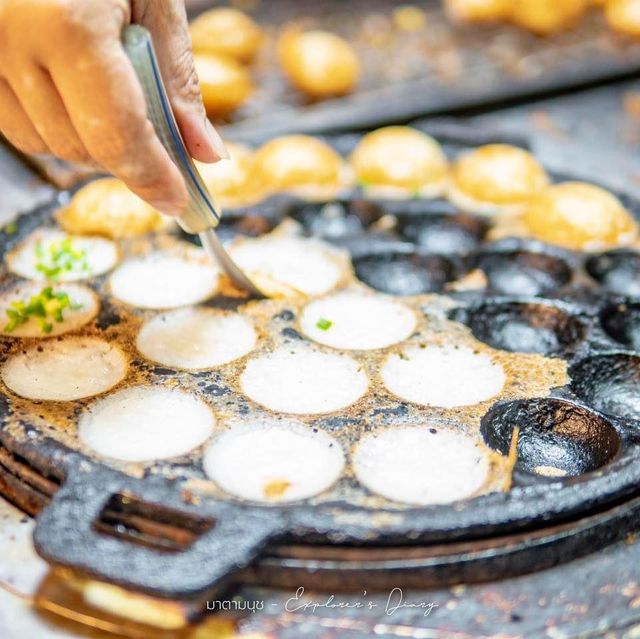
<point>202,214</point>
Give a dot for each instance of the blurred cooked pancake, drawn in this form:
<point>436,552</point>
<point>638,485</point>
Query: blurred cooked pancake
<point>318,63</point>
<point>107,207</point>
<point>398,161</point>
<point>479,10</point>
<point>545,17</point>
<point>301,380</point>
<point>496,178</point>
<point>224,83</point>
<point>624,16</point>
<point>226,31</point>
<point>145,423</point>
<point>65,369</point>
<point>281,461</point>
<point>580,216</point>
<point>233,182</point>
<point>299,164</point>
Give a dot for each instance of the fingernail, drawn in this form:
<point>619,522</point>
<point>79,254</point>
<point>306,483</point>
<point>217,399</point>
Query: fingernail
<point>171,207</point>
<point>216,141</point>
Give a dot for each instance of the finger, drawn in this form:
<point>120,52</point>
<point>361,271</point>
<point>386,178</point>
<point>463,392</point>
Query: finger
<point>107,108</point>
<point>43,105</point>
<point>167,22</point>
<point>15,124</point>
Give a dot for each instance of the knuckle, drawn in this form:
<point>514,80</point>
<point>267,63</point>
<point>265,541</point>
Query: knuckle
<point>185,77</point>
<point>85,20</point>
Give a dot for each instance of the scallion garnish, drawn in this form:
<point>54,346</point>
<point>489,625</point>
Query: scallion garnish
<point>60,257</point>
<point>324,324</point>
<point>46,307</point>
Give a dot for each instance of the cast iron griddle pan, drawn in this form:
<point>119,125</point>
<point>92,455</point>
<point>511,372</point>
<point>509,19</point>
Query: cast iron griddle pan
<point>440,68</point>
<point>152,534</point>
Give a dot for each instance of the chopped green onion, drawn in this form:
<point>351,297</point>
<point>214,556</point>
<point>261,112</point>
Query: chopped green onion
<point>324,324</point>
<point>47,306</point>
<point>10,228</point>
<point>60,257</point>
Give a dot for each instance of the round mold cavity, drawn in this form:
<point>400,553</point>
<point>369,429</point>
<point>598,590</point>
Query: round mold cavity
<point>251,224</point>
<point>523,272</point>
<point>337,219</point>
<point>442,233</point>
<point>557,438</point>
<point>617,271</point>
<point>405,272</point>
<point>524,327</point>
<point>610,382</point>
<point>622,323</point>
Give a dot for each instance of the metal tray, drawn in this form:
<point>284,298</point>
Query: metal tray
<point>437,70</point>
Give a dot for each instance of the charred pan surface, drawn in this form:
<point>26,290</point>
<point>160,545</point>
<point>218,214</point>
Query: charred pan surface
<point>580,437</point>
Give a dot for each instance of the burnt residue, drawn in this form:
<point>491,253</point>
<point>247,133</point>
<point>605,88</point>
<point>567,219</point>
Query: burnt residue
<point>609,382</point>
<point>523,272</point>
<point>618,271</point>
<point>622,323</point>
<point>333,220</point>
<point>524,327</point>
<point>442,233</point>
<point>557,438</point>
<point>405,273</point>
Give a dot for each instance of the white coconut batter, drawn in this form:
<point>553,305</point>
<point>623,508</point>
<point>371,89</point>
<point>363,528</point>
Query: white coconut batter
<point>144,423</point>
<point>83,309</point>
<point>299,380</point>
<point>65,370</point>
<point>442,376</point>
<point>165,280</point>
<point>357,321</point>
<point>421,465</point>
<point>193,339</point>
<point>279,461</point>
<point>49,254</point>
<point>288,265</point>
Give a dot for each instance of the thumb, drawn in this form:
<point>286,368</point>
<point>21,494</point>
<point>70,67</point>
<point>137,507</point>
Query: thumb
<point>167,22</point>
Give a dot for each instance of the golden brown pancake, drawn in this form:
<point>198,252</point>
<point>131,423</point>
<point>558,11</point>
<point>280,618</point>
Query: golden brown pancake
<point>579,216</point>
<point>478,10</point>
<point>624,16</point>
<point>300,164</point>
<point>226,31</point>
<point>399,161</point>
<point>545,17</point>
<point>319,63</point>
<point>225,84</point>
<point>495,178</point>
<point>107,207</point>
<point>233,182</point>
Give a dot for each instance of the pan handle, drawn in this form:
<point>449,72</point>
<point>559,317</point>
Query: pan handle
<point>226,537</point>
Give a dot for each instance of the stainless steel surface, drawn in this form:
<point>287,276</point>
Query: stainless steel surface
<point>213,246</point>
<point>202,214</point>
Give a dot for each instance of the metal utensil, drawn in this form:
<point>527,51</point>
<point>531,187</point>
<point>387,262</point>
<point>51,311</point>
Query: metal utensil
<point>202,214</point>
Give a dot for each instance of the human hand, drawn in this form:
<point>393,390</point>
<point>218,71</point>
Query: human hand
<point>67,88</point>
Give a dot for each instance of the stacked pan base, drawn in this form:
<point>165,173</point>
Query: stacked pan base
<point>174,529</point>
